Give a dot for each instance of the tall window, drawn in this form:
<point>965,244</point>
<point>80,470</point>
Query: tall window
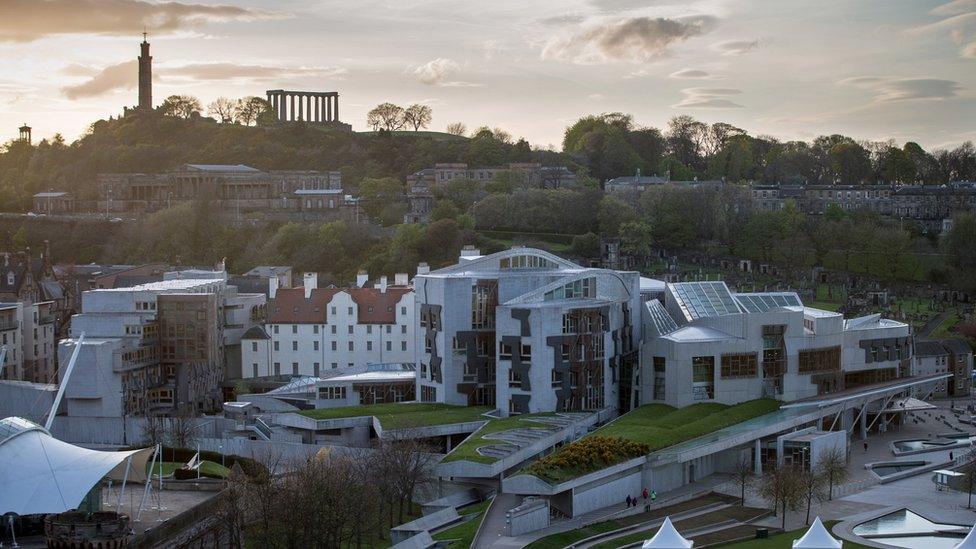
<point>740,365</point>
<point>819,360</point>
<point>703,377</point>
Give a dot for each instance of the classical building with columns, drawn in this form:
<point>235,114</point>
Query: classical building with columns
<point>305,106</point>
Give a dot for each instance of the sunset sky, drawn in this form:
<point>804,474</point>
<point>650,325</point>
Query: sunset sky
<point>872,69</point>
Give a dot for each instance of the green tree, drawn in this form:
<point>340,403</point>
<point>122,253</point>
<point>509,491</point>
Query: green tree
<point>613,213</point>
<point>377,193</point>
<point>181,106</point>
<point>958,245</point>
<point>586,246</point>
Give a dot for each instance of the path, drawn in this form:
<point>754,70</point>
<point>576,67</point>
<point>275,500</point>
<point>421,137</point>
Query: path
<point>493,525</point>
<point>926,331</point>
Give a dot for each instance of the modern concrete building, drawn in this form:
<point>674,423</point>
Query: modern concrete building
<point>156,348</point>
<point>706,343</point>
<point>526,331</point>
<point>312,330</point>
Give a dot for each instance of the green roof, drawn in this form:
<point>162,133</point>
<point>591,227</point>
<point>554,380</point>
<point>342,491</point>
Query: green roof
<point>468,450</point>
<point>400,415</point>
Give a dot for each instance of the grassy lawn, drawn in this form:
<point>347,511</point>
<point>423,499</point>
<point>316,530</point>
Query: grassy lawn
<point>404,414</point>
<point>656,425</point>
<point>206,468</point>
<point>462,535</point>
<point>467,450</point>
<point>660,426</point>
<point>742,514</point>
<point>785,540</point>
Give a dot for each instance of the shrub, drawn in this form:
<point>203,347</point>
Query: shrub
<point>585,455</point>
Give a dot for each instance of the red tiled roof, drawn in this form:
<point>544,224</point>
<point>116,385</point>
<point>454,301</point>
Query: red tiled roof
<point>374,307</point>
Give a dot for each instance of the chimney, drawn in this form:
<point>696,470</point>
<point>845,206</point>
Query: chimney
<point>469,252</point>
<point>423,268</point>
<point>272,286</point>
<point>383,284</point>
<point>401,279</point>
<point>362,277</point>
<point>311,282</point>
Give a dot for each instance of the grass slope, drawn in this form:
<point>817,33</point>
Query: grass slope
<point>785,540</point>
<point>467,450</point>
<point>462,535</point>
<point>399,415</point>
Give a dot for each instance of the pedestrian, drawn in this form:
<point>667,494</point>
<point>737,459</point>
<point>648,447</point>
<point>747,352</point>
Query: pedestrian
<point>653,496</point>
<point>645,494</point>
<point>950,456</point>
<point>865,446</point>
<point>628,500</point>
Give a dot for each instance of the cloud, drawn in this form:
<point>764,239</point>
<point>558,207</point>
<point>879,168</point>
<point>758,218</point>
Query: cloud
<point>736,47</point>
<point>27,20</point>
<point>904,89</point>
<point>615,6</point>
<point>691,74</point>
<point>635,39</point>
<point>114,77</point>
<point>436,71</point>
<point>124,75</point>
<point>561,20</point>
<point>708,98</point>
<point>959,23</point>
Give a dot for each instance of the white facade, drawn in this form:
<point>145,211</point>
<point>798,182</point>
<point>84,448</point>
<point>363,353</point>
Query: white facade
<point>707,344</point>
<point>525,331</point>
<point>27,332</point>
<point>312,331</point>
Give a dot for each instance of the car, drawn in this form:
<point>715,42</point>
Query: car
<point>115,220</point>
<point>31,214</point>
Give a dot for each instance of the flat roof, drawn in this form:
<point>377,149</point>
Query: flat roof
<point>865,391</point>
<point>164,285</point>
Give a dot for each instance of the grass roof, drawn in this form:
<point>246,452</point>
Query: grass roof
<point>468,450</point>
<point>402,415</point>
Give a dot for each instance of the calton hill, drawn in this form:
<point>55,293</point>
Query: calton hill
<point>698,226</point>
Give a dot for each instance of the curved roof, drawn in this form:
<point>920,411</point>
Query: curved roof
<point>41,474</point>
<point>492,262</point>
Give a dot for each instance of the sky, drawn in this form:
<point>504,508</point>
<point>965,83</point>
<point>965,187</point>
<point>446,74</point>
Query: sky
<point>871,69</point>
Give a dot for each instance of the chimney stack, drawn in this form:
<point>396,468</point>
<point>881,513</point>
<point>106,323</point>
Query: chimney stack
<point>272,286</point>
<point>311,282</point>
<point>401,279</point>
<point>423,268</point>
<point>383,284</point>
<point>361,279</point>
<point>469,252</point>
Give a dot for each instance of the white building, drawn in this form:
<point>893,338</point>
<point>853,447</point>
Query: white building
<point>706,343</point>
<point>526,331</point>
<point>953,356</point>
<point>311,330</point>
<point>27,332</point>
<point>155,347</point>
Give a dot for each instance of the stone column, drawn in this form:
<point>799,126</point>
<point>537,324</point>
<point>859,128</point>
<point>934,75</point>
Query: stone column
<point>321,108</point>
<point>318,107</point>
<point>291,114</point>
<point>335,109</point>
<point>757,460</point>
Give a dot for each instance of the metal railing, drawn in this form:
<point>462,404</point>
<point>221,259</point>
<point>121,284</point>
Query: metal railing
<point>262,428</point>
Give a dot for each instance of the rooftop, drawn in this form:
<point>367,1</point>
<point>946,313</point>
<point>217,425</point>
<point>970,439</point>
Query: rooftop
<point>175,284</point>
<point>402,415</point>
<point>762,302</point>
<point>704,299</point>
<point>237,168</point>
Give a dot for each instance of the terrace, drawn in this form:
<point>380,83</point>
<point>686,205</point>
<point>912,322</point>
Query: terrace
<point>404,415</point>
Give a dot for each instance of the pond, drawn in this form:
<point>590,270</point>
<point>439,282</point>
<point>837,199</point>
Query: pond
<point>903,528</point>
<point>932,443</point>
<point>892,467</point>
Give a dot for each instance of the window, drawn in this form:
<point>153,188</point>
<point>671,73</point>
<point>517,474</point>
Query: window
<point>514,379</point>
<point>315,329</point>
<point>294,368</point>
<point>504,350</point>
<point>351,346</point>
<point>254,346</point>
<point>334,346</point>
<point>349,311</point>
<point>315,345</point>
<point>350,329</point>
<point>277,368</point>
<point>316,369</point>
<point>294,328</point>
<point>428,394</point>
<point>703,377</point>
<point>740,365</point>
<point>275,345</point>
<point>254,369</point>
<point>819,360</point>
<point>583,288</point>
<point>332,393</point>
<point>403,311</point>
<point>659,378</point>
<point>525,351</point>
<point>403,345</point>
<point>294,345</point>
<point>369,346</point>
<point>555,379</point>
<point>335,365</point>
<point>333,310</point>
<point>333,329</point>
<point>403,329</point>
<point>389,329</point>
<point>275,328</point>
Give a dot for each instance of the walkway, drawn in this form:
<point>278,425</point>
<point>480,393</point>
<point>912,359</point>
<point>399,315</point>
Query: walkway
<point>493,525</point>
<point>926,331</point>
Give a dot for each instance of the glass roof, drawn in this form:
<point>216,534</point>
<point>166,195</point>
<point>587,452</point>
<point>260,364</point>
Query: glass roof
<point>660,317</point>
<point>762,302</point>
<point>704,299</point>
<point>15,425</point>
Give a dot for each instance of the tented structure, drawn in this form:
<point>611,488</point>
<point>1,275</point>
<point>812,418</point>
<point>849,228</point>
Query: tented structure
<point>969,542</point>
<point>667,538</point>
<point>41,474</point>
<point>817,537</point>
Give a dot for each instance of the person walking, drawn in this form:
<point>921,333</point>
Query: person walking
<point>628,501</point>
<point>865,446</point>
<point>653,496</point>
<point>645,494</point>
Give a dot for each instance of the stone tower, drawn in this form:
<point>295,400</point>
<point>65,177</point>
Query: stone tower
<point>145,77</point>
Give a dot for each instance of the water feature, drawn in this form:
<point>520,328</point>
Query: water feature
<point>940,443</point>
<point>903,528</point>
<point>888,468</point>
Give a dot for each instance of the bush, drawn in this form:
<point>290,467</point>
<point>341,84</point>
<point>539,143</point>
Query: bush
<point>586,455</point>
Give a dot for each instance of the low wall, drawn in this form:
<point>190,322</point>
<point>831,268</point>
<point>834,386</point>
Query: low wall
<point>602,494</point>
<point>532,515</point>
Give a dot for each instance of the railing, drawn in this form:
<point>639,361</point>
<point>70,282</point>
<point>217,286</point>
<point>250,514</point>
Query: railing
<point>262,428</point>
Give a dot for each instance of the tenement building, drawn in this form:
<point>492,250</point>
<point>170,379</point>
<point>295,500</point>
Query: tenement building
<point>707,343</point>
<point>234,188</point>
<point>317,332</point>
<point>530,174</point>
<point>526,331</point>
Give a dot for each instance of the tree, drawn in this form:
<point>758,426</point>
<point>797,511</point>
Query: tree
<point>743,474</point>
<point>418,116</point>
<point>181,106</point>
<point>182,430</point>
<point>457,128</point>
<point>586,246</point>
<point>386,116</point>
<point>153,430</point>
<point>375,194</point>
<point>612,214</point>
<point>812,483</point>
<point>249,109</point>
<point>223,109</point>
<point>958,244</point>
<point>833,467</point>
<point>783,489</point>
<point>849,162</point>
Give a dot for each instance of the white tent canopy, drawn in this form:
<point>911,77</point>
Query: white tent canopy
<point>969,542</point>
<point>41,474</point>
<point>817,537</point>
<point>667,538</point>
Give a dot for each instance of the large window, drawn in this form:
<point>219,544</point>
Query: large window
<point>526,262</point>
<point>659,377</point>
<point>820,360</point>
<point>703,377</point>
<point>428,394</point>
<point>740,365</point>
<point>585,287</point>
<point>332,393</point>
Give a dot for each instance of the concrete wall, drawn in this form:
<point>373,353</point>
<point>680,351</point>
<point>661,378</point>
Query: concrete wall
<point>603,493</point>
<point>530,516</point>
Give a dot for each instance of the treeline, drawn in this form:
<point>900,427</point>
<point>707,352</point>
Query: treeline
<point>611,145</point>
